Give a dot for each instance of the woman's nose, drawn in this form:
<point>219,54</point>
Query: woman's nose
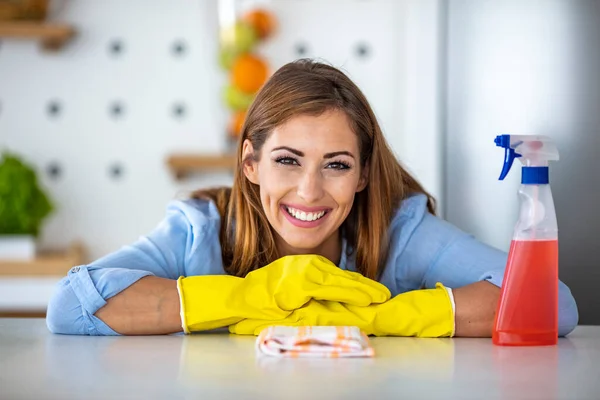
<point>310,187</point>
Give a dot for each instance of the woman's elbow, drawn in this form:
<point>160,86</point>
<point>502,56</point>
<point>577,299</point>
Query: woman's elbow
<point>568,315</point>
<point>65,314</point>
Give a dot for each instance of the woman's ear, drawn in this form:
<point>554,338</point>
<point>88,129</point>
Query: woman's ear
<point>364,179</point>
<point>249,165</point>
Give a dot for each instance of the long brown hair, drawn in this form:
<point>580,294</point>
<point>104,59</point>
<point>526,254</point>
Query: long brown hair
<point>311,88</point>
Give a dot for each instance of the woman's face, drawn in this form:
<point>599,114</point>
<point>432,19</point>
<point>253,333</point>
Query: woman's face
<point>308,173</point>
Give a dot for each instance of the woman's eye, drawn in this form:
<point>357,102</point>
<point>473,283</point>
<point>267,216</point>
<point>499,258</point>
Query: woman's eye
<point>338,165</point>
<point>286,161</point>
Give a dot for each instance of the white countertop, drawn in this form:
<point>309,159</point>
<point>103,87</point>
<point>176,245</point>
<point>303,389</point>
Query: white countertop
<point>37,364</point>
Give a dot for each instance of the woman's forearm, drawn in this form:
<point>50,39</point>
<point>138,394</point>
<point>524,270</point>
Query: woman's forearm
<point>475,309</point>
<point>150,306</point>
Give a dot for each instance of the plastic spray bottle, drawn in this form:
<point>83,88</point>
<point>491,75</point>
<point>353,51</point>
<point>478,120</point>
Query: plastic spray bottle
<point>527,313</point>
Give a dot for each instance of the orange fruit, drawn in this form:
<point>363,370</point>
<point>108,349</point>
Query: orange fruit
<point>249,72</point>
<point>263,22</point>
<point>236,122</point>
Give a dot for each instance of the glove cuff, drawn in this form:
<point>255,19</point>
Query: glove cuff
<point>206,302</point>
<point>420,313</point>
<point>184,324</point>
<point>453,303</point>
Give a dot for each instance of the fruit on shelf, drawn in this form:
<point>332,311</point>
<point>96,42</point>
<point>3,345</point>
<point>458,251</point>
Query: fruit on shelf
<point>263,22</point>
<point>236,123</point>
<point>239,38</point>
<point>237,99</point>
<point>249,73</point>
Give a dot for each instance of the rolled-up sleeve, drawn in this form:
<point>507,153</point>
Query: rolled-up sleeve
<point>86,288</point>
<point>76,299</point>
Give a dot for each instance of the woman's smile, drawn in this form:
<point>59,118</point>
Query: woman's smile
<point>305,217</point>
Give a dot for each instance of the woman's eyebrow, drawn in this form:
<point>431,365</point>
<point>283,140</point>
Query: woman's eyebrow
<point>294,151</point>
<point>338,153</point>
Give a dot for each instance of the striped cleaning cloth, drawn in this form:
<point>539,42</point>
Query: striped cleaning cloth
<point>313,341</point>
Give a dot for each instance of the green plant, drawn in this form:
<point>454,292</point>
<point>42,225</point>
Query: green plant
<point>23,204</point>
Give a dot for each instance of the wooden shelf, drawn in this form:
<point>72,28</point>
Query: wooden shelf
<point>52,35</point>
<point>45,264</point>
<point>184,164</point>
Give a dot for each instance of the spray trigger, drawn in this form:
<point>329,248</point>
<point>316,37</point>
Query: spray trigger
<point>509,153</point>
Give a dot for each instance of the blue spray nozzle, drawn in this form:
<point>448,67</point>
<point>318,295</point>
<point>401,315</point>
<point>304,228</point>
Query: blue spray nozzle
<point>509,154</point>
<point>533,151</point>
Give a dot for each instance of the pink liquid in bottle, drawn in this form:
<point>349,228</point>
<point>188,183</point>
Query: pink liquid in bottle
<point>527,313</point>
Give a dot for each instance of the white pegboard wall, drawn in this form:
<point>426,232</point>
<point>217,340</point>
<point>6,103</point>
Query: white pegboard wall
<point>141,80</point>
<point>166,60</point>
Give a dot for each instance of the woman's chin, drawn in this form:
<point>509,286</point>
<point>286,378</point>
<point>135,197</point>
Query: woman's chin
<point>303,245</point>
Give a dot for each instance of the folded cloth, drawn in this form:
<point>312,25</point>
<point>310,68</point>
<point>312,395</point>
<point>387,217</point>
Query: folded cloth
<point>313,341</point>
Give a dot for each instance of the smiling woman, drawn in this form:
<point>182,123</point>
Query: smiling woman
<point>322,226</point>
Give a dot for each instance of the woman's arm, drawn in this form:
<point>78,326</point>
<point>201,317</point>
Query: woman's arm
<point>150,306</point>
<point>475,272</point>
<point>126,285</point>
<point>437,251</point>
<point>475,309</point>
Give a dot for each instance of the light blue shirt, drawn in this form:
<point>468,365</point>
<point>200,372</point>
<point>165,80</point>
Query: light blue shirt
<point>424,249</point>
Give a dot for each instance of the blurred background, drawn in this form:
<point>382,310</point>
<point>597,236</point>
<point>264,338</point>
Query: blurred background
<point>110,109</point>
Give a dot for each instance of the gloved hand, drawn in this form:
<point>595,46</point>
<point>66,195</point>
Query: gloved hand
<point>271,292</point>
<point>422,313</point>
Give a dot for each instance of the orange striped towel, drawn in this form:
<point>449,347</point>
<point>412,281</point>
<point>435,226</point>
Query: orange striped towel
<point>313,341</point>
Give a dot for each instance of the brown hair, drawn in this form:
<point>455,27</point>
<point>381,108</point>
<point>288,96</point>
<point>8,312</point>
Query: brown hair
<point>311,88</point>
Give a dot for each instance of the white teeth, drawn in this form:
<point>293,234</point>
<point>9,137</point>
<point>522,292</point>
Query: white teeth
<point>304,216</point>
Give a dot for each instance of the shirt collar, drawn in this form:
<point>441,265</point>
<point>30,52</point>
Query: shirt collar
<point>347,263</point>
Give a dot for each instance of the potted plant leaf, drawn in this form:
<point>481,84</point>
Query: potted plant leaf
<point>23,207</point>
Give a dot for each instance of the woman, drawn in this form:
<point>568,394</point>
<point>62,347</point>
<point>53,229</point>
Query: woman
<point>322,226</point>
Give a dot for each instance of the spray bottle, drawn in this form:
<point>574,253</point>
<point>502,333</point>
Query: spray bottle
<point>527,313</point>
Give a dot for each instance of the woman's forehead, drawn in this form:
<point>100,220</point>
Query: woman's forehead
<point>329,129</point>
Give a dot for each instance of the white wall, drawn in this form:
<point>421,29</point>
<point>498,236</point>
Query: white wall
<point>509,70</point>
<point>399,75</point>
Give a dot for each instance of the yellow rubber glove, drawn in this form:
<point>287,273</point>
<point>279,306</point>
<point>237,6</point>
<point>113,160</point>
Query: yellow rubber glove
<point>422,313</point>
<point>271,292</point>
